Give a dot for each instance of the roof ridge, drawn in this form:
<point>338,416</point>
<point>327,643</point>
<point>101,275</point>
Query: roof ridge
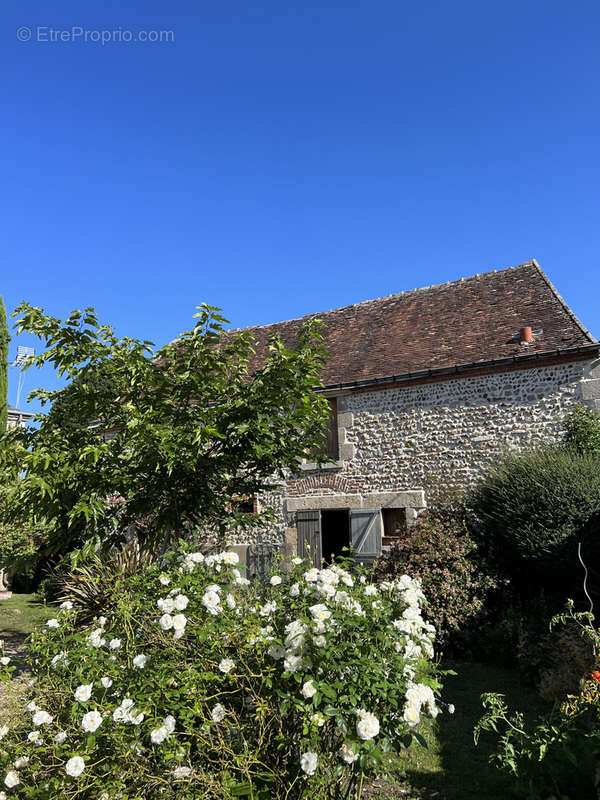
<point>418,289</point>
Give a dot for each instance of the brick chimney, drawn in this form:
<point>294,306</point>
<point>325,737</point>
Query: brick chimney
<point>526,334</point>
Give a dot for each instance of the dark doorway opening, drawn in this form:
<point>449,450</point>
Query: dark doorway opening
<point>335,533</point>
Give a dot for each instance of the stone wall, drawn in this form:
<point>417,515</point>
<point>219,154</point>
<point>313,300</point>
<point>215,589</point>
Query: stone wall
<point>436,435</point>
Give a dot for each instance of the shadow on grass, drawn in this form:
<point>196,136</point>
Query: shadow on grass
<point>452,768</point>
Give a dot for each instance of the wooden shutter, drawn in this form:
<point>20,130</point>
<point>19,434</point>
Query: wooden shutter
<point>366,531</point>
<point>309,535</point>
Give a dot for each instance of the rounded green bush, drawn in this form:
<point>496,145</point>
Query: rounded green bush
<point>531,510</point>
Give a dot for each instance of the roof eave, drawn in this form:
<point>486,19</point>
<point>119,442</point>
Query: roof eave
<point>456,369</point>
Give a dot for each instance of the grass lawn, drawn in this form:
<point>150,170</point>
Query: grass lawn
<point>19,616</point>
<point>22,614</point>
<point>452,768</point>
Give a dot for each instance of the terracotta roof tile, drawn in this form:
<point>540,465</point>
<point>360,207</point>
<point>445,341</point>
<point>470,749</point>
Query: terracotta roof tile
<point>464,321</point>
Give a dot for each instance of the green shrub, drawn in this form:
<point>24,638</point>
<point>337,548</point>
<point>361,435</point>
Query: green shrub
<point>440,553</point>
<point>196,684</point>
<point>582,430</point>
<point>531,510</point>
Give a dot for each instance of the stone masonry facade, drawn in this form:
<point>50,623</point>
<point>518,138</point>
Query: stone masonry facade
<point>399,446</point>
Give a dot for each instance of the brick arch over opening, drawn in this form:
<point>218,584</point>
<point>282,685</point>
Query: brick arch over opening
<point>336,483</point>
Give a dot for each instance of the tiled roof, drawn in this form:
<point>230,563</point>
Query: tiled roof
<point>470,320</point>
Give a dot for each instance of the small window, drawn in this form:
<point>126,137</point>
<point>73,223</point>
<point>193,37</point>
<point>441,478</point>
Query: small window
<point>333,450</point>
<point>330,447</point>
<point>394,522</point>
<point>246,505</point>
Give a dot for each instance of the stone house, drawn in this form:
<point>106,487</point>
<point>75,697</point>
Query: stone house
<point>426,388</point>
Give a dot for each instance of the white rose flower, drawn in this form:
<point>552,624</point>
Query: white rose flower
<point>166,622</point>
<point>106,682</point>
<point>166,604</point>
<point>230,600</point>
<point>169,723</point>
<point>212,602</point>
<point>53,623</point>
<point>4,729</point>
<point>158,735</point>
<point>275,580</point>
<point>308,762</point>
<point>83,692</point>
<point>140,661</point>
<point>230,558</point>
<point>292,662</point>
<point>32,707</point>
<point>35,737</point>
<point>347,753</point>
<point>412,715</point>
<point>320,612</point>
<point>164,579</point>
<point>102,621</point>
<point>91,721</point>
<point>181,602</point>
<point>294,590</point>
<point>276,651</point>
<point>296,560</point>
<point>5,661</point>
<point>60,737</point>
<point>367,726</point>
<point>41,718</point>
<point>451,709</point>
<point>181,772</point>
<point>218,713</point>
<point>21,762</point>
<point>11,779</point>
<point>114,644</point>
<point>59,658</point>
<point>75,766</point>
<point>95,638</point>
<point>370,590</point>
<point>226,665</point>
<point>309,689</point>
<point>179,622</point>
<point>68,605</point>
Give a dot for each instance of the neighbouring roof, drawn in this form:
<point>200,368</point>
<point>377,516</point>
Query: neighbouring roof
<point>17,412</point>
<point>471,321</point>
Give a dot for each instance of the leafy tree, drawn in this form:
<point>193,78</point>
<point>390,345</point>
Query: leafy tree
<point>173,436</point>
<point>582,430</point>
<point>4,340</point>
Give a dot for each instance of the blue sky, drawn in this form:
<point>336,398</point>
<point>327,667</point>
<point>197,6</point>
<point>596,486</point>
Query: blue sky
<point>280,158</point>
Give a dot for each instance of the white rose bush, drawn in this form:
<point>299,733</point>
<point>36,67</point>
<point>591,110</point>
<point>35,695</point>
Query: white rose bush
<point>197,684</point>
